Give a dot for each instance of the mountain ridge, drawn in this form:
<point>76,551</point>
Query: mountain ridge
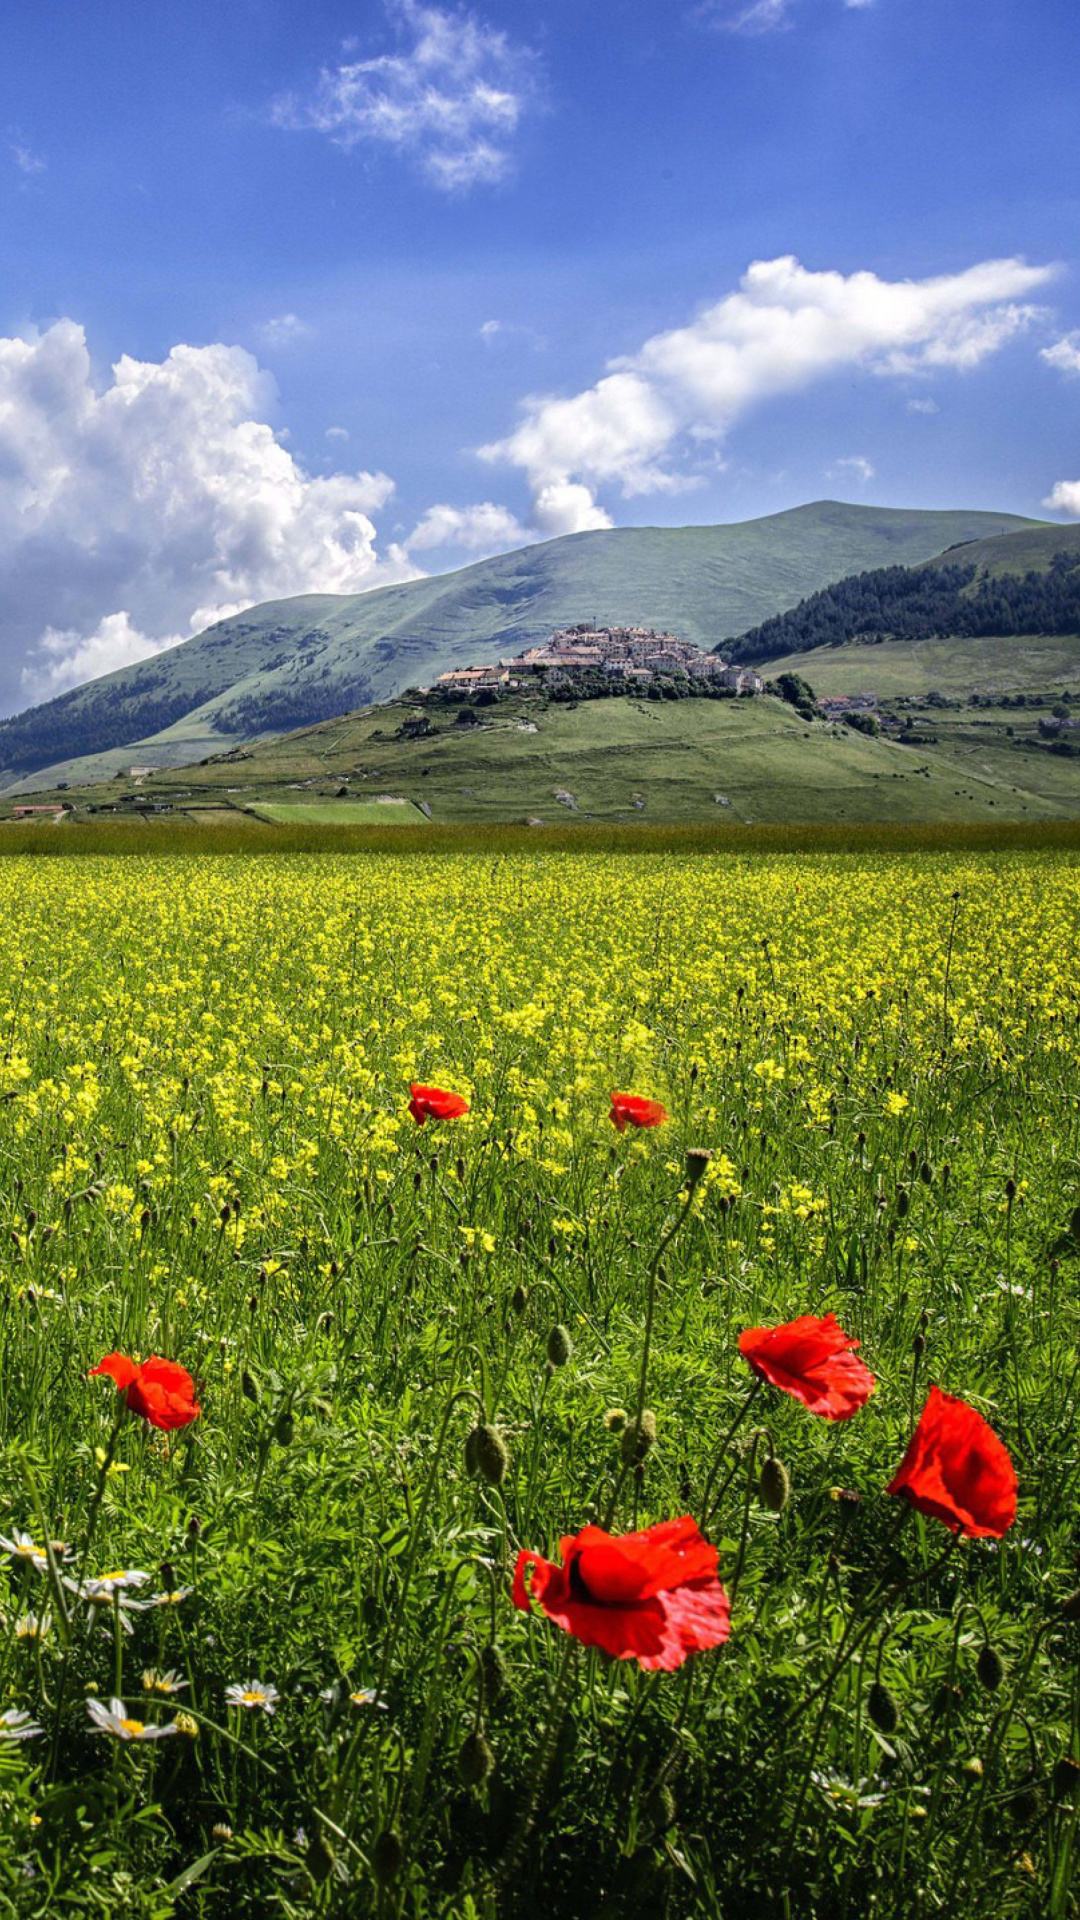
<point>294,662</point>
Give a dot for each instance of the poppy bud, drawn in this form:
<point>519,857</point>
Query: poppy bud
<point>459,1168</point>
<point>250,1387</point>
<point>387,1856</point>
<point>638,1438</point>
<point>926,1174</point>
<point>1065,1779</point>
<point>168,1575</point>
<point>918,1345</point>
<point>519,1299</point>
<point>697,1164</point>
<point>882,1707</point>
<point>475,1761</point>
<point>559,1346</point>
<point>990,1667</point>
<point>486,1454</point>
<point>774,1485</point>
<point>660,1809</point>
<point>494,1671</point>
<point>285,1428</point>
<point>944,1700</point>
<point>1024,1804</point>
<point>194,1527</point>
<point>903,1202</point>
<point>1010,1191</point>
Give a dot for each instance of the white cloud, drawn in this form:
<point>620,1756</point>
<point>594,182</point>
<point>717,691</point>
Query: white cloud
<point>857,464</point>
<point>25,159</point>
<point>337,433</point>
<point>566,507</point>
<point>923,406</point>
<point>451,100</point>
<point>137,513</point>
<point>748,16</point>
<point>1065,498</point>
<point>1064,354</point>
<point>284,330</point>
<point>477,530</point>
<point>784,329</point>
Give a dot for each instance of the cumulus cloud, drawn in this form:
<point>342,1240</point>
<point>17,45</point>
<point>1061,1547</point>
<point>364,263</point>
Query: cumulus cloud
<point>1065,498</point>
<point>476,530</point>
<point>451,100</point>
<point>1064,354</point>
<point>923,406</point>
<point>27,161</point>
<point>135,513</point>
<point>857,464</point>
<point>783,329</point>
<point>284,330</point>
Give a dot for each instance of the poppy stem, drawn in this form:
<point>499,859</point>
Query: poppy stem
<point>650,1310</point>
<point>745,1528</point>
<point>544,1758</point>
<point>707,1509</point>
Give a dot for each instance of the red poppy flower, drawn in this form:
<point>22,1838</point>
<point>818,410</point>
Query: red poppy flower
<point>433,1103</point>
<point>161,1391</point>
<point>957,1471</point>
<point>652,1597</point>
<point>811,1359</point>
<point>640,1113</point>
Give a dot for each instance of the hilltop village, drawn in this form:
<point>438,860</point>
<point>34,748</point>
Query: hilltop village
<point>629,657</point>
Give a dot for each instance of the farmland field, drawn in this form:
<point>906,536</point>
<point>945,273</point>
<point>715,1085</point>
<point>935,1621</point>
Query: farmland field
<point>305,1593</point>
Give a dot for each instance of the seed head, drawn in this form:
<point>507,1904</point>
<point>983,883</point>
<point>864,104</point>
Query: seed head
<point>697,1165</point>
<point>285,1428</point>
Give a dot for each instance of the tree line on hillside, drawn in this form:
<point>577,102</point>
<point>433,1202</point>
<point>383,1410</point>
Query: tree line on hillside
<point>85,721</point>
<point>923,603</point>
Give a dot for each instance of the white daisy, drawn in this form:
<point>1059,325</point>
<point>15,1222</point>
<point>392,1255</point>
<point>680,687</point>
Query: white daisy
<point>33,1626</point>
<point>16,1725</point>
<point>253,1693</point>
<point>113,1719</point>
<point>155,1682</point>
<point>103,1586</point>
<point>24,1548</point>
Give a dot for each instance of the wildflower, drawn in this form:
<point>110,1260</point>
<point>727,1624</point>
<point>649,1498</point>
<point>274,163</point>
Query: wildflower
<point>434,1103</point>
<point>812,1360</point>
<point>33,1626</point>
<point>17,1725</point>
<point>160,1391</point>
<point>172,1599</point>
<point>155,1682</point>
<point>186,1724</point>
<point>652,1596</point>
<point>113,1719</point>
<point>630,1108</point>
<point>956,1470</point>
<point>253,1693</point>
<point>23,1548</point>
<point>104,1586</point>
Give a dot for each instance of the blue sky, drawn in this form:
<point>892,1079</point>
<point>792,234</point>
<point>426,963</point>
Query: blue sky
<point>318,297</point>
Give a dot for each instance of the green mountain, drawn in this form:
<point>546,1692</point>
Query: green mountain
<point>295,662</point>
<point>1021,583</point>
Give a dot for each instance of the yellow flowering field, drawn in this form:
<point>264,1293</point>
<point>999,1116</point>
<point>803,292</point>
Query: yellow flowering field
<point>271,1657</point>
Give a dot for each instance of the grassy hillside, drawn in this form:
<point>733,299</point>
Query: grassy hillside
<point>290,662</point>
<point>621,760</point>
<point>1026,583</point>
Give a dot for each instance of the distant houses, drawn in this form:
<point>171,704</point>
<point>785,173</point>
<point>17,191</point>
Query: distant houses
<point>633,656</point>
